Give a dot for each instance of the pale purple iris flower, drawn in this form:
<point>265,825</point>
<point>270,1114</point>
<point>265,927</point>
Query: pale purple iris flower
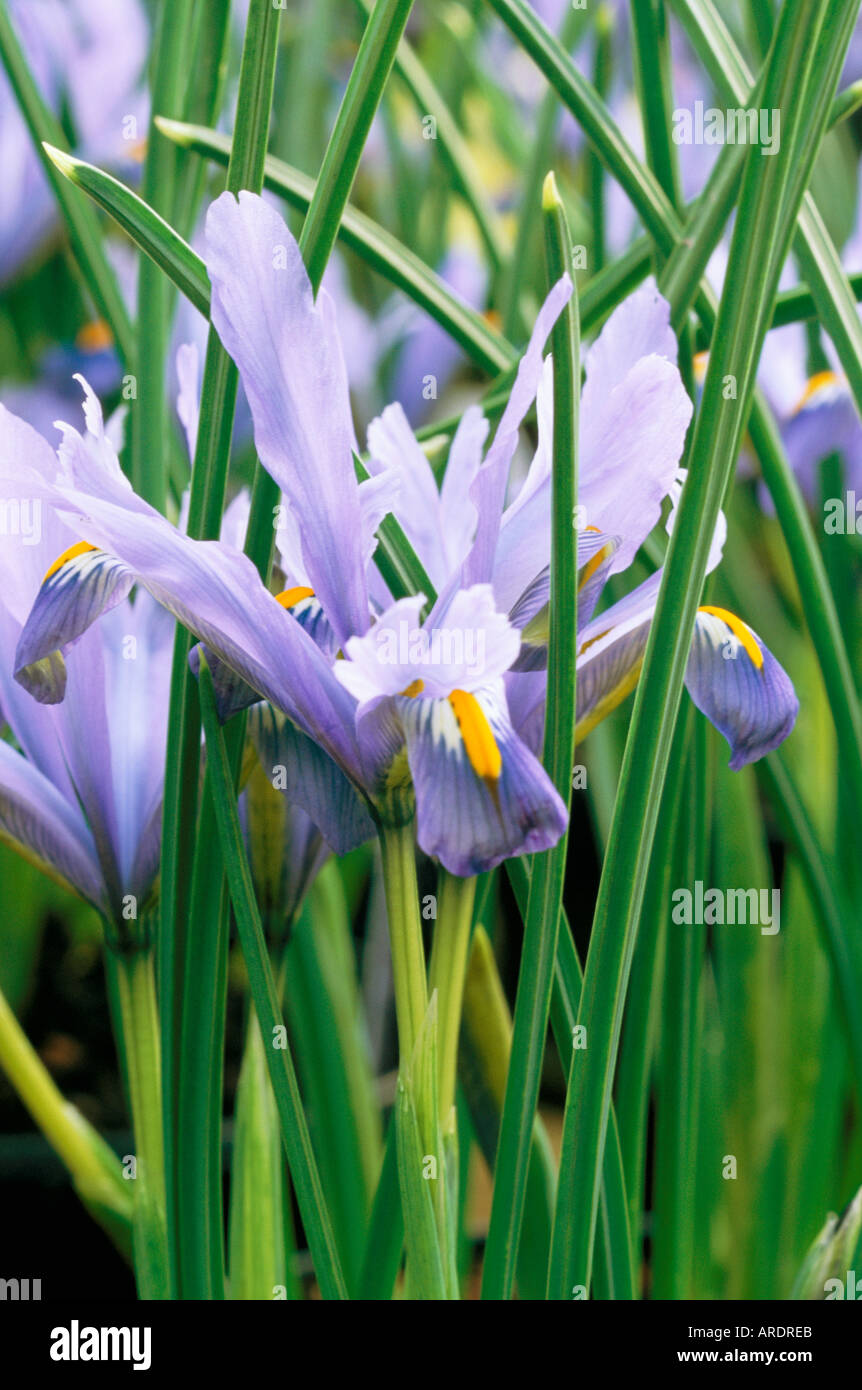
<point>633,421</point>
<point>345,766</point>
<point>81,785</point>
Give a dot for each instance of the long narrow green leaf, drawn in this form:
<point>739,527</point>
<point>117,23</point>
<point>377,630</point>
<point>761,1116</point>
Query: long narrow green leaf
<point>149,416</point>
<point>258,1191</point>
<point>820,873</point>
<point>483,1062</point>
<point>616,1243</point>
<point>743,318</point>
<point>368,77</point>
<point>377,247</point>
<point>150,231</point>
<point>453,149</point>
<point>541,926</point>
<point>539,160</point>
<point>819,260</point>
<point>385,1239</point>
<point>193,941</point>
<point>297,1142</point>
<point>323,1008</point>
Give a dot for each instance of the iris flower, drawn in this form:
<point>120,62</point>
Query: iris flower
<point>81,785</point>
<point>634,416</point>
<point>353,759</point>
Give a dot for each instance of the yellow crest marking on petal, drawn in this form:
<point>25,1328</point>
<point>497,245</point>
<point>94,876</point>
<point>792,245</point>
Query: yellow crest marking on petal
<point>610,699</point>
<point>813,385</point>
<point>94,337</point>
<point>594,561</point>
<point>739,630</point>
<point>701,359</point>
<point>413,689</point>
<point>288,598</point>
<point>479,742</point>
<point>79,548</point>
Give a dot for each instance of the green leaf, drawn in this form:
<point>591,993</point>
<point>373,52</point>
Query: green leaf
<point>294,1130</point>
<point>541,925</point>
<point>194,923</point>
<point>322,1003</point>
<point>150,231</point>
<point>393,260</point>
<point>259,1257</point>
<point>149,419</point>
<point>449,143</point>
<point>832,1256</point>
<point>765,219</point>
<point>422,1167</point>
<point>484,1058</point>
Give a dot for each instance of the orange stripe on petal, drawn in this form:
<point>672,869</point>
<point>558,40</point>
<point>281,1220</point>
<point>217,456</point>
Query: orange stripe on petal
<point>79,548</point>
<point>813,385</point>
<point>739,630</point>
<point>288,598</point>
<point>479,742</point>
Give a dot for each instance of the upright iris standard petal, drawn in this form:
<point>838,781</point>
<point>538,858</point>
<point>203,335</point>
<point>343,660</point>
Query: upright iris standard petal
<point>634,417</point>
<point>736,682</point>
<point>289,358</point>
<point>489,488</point>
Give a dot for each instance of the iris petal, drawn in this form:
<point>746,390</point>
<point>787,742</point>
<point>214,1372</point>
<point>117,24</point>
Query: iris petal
<point>752,703</point>
<point>468,821</point>
<point>79,587</point>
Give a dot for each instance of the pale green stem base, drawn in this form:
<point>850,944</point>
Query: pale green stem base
<point>93,1166</point>
<point>137,992</point>
<point>448,971</point>
<point>405,935</point>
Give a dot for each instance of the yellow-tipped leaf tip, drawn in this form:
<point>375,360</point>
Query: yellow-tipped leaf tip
<point>66,163</point>
<point>605,20</point>
<point>551,199</point>
<point>174,130</point>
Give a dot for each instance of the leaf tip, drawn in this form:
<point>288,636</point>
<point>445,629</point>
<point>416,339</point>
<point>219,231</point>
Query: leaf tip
<point>66,163</point>
<point>551,199</point>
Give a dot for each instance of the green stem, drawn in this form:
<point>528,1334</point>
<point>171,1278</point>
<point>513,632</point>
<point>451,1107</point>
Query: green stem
<point>405,934</point>
<point>92,1165</point>
<point>448,972</point>
<point>136,982</point>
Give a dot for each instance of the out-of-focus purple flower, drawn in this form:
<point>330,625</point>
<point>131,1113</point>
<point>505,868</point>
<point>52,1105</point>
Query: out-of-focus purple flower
<point>88,58</point>
<point>428,355</point>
